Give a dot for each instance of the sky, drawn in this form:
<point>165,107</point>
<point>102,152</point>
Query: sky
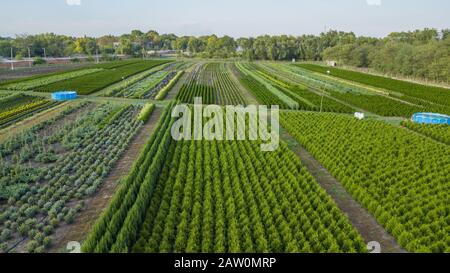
<point>236,18</point>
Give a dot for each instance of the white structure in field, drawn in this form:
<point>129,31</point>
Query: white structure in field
<point>360,116</point>
<point>332,63</point>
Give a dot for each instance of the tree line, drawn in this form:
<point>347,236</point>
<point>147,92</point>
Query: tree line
<point>420,53</point>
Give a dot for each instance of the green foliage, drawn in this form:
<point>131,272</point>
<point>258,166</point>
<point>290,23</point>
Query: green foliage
<point>40,198</point>
<point>117,89</point>
<point>357,96</point>
<point>429,93</point>
<point>438,132</point>
<point>420,53</point>
<point>41,81</point>
<point>90,83</point>
<point>17,107</point>
<point>215,196</point>
<point>165,90</point>
<point>145,88</point>
<point>116,113</point>
<point>306,98</point>
<point>248,69</point>
<point>213,84</point>
<point>400,177</point>
<point>263,95</point>
<point>146,112</point>
<point>38,61</point>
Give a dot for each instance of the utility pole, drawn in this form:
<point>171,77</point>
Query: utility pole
<point>96,53</point>
<point>29,57</point>
<point>12,63</point>
<point>45,54</point>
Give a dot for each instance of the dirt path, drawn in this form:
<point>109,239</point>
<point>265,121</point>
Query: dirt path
<point>96,204</point>
<point>360,218</point>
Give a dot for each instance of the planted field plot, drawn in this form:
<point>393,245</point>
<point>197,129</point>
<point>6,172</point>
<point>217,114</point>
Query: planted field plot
<point>263,89</point>
<point>438,132</point>
<point>90,83</point>
<point>138,86</point>
<point>401,178</point>
<point>162,93</point>
<point>305,98</point>
<point>49,170</point>
<point>357,96</point>
<point>260,91</point>
<point>64,71</point>
<point>428,93</point>
<point>216,196</point>
<point>117,64</point>
<point>211,82</point>
<point>41,81</point>
<point>18,106</point>
<point>148,87</point>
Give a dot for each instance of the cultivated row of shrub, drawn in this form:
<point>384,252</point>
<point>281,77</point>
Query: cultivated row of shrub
<point>49,171</point>
<point>162,93</point>
<point>32,84</point>
<point>401,178</point>
<point>217,196</point>
<point>90,83</point>
<point>359,97</point>
<point>118,227</point>
<point>429,93</point>
<point>438,132</point>
<point>213,84</point>
<point>307,99</point>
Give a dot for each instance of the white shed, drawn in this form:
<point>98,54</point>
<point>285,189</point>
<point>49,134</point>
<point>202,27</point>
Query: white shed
<point>360,116</point>
<point>332,63</point>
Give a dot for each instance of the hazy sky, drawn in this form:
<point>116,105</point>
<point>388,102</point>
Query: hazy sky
<point>231,17</point>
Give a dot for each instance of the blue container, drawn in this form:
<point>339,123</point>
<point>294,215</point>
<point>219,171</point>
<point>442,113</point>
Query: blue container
<point>431,118</point>
<point>64,95</point>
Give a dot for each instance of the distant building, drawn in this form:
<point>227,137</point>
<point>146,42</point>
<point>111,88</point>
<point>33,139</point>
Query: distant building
<point>161,52</point>
<point>332,63</point>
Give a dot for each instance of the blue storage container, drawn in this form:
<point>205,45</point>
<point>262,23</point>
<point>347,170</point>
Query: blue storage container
<point>431,118</point>
<point>64,95</point>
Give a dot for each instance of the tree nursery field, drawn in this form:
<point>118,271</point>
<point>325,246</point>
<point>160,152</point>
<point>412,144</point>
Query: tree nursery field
<point>105,169</point>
